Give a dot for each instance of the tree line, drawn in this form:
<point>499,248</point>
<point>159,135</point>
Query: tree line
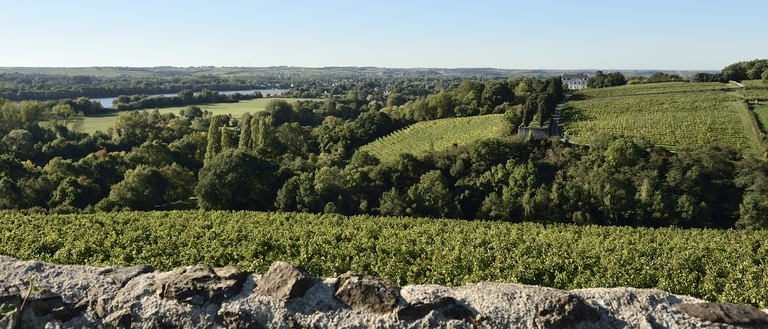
<point>747,70</point>
<point>302,156</point>
<point>184,97</point>
<point>42,87</point>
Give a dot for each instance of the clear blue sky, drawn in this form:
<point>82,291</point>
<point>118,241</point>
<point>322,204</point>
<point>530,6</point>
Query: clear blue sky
<point>574,34</point>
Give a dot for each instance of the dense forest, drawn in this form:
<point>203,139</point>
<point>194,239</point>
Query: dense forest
<point>303,156</point>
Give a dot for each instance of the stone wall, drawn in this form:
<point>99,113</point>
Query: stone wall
<point>288,297</point>
<point>536,132</point>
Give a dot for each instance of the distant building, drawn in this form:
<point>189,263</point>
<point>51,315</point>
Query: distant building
<point>575,81</point>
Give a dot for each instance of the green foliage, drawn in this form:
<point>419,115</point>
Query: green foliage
<point>684,120</point>
<point>600,80</point>
<point>751,70</point>
<point>214,140</point>
<point>142,188</point>
<point>430,197</point>
<point>716,265</point>
<point>234,179</point>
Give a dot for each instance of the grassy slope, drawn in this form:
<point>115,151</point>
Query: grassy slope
<point>723,265</point>
<point>435,135</point>
<point>666,113</point>
<point>103,122</point>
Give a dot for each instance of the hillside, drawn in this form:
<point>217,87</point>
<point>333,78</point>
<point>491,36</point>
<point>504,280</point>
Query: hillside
<point>676,115</point>
<point>435,135</point>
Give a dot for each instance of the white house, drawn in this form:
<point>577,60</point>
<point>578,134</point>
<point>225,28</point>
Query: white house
<point>575,81</point>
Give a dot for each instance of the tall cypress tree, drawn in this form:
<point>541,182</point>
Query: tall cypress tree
<point>227,139</point>
<point>214,140</point>
<point>246,142</point>
<point>255,133</point>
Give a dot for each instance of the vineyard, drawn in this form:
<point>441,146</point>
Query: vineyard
<point>755,84</point>
<point>435,135</point>
<point>751,95</point>
<point>652,88</point>
<point>673,120</point>
<point>726,266</point>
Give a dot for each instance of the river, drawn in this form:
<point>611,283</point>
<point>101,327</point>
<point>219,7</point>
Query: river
<point>107,102</point>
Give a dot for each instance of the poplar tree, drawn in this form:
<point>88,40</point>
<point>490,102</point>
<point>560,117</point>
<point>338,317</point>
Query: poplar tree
<point>214,140</point>
<point>227,139</point>
<point>246,142</point>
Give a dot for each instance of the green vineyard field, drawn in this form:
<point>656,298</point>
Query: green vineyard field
<point>751,95</point>
<point>652,88</point>
<point>435,135</point>
<point>717,265</point>
<point>672,120</point>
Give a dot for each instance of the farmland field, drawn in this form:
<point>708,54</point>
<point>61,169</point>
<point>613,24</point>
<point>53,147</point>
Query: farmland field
<point>652,88</point>
<point>435,135</point>
<point>673,120</point>
<point>717,265</point>
<point>102,122</point>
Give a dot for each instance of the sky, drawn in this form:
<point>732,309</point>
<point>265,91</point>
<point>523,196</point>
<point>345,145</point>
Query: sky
<point>570,35</point>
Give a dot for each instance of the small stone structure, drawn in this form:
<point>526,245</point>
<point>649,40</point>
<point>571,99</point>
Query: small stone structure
<point>533,132</point>
<point>288,297</point>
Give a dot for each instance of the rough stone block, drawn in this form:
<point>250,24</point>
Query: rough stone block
<point>736,314</point>
<point>285,281</point>
<point>367,292</point>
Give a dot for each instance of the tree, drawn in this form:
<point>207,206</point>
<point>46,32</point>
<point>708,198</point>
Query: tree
<point>245,142</point>
<point>104,168</point>
<point>192,112</point>
<point>392,203</point>
<point>615,79</point>
<point>497,93</point>
<point>20,143</point>
<point>432,197</point>
<point>64,115</point>
<point>234,179</point>
<point>280,110</point>
<point>154,154</point>
<point>75,193</point>
<point>362,159</point>
<point>187,96</point>
<point>132,129</point>
<point>227,139</point>
<point>295,139</point>
<point>752,177</point>
<point>10,194</point>
<point>469,93</point>
<point>396,99</point>
<point>214,140</point>
<point>142,188</point>
<point>181,182</point>
<point>263,135</point>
